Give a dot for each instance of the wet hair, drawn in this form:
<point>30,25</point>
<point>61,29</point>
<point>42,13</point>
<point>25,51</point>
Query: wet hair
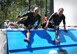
<point>61,9</point>
<point>36,8</point>
<point>45,14</point>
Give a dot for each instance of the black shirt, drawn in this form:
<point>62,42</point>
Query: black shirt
<point>56,19</point>
<point>31,19</point>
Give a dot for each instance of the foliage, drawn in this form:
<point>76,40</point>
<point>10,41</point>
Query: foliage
<point>9,9</point>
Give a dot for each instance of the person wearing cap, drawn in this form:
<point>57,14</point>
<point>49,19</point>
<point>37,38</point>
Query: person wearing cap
<point>54,21</point>
<point>30,22</point>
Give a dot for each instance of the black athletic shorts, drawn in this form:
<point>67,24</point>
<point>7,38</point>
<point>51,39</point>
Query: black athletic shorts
<point>50,25</point>
<point>28,26</point>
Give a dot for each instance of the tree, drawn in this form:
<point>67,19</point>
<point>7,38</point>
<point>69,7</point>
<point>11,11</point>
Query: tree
<point>10,8</point>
